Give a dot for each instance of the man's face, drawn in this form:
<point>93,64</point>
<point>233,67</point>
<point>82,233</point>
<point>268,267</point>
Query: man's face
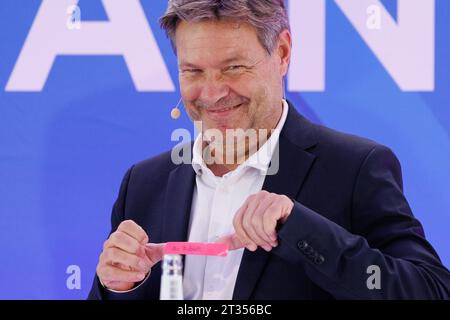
<point>227,79</point>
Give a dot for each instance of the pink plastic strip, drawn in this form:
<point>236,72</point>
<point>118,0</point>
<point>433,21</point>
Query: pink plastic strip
<point>196,248</point>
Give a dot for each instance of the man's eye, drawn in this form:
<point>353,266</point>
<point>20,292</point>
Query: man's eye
<point>235,68</point>
<point>192,71</point>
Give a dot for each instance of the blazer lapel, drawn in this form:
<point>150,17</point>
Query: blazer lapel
<point>294,166</point>
<point>177,203</point>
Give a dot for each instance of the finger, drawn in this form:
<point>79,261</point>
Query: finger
<point>249,221</point>
<point>233,242</point>
<point>134,230</point>
<point>122,266</point>
<point>270,223</point>
<point>154,252</point>
<point>123,241</point>
<point>239,229</point>
<point>249,226</point>
<point>117,285</point>
<point>109,273</point>
<point>115,256</point>
<point>258,219</point>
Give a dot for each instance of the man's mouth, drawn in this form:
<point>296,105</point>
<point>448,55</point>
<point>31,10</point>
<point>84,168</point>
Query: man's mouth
<point>222,111</point>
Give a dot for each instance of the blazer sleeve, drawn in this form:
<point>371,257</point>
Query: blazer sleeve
<point>98,292</point>
<point>386,242</point>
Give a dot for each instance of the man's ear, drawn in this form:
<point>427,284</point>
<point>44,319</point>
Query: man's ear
<point>284,51</point>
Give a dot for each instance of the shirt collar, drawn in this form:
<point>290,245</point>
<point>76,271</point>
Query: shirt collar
<point>260,160</point>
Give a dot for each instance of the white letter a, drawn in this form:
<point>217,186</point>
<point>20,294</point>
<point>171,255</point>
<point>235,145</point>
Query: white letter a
<point>126,33</point>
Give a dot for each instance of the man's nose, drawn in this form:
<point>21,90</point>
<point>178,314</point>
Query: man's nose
<point>214,89</point>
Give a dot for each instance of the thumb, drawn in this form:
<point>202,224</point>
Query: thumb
<point>232,241</point>
<point>154,252</point>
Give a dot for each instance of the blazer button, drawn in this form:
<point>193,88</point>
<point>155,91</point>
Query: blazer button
<point>309,251</point>
<point>302,245</point>
<point>319,260</point>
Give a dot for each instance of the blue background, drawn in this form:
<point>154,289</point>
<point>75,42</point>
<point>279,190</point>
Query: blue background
<point>63,151</point>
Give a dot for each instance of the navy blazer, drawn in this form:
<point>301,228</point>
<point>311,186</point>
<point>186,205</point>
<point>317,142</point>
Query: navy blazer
<point>350,213</point>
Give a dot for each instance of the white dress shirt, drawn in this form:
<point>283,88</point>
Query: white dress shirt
<point>214,204</point>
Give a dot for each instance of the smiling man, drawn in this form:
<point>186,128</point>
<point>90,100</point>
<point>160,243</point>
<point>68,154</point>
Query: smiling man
<point>331,222</point>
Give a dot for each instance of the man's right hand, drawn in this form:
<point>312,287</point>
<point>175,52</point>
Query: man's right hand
<point>127,257</point>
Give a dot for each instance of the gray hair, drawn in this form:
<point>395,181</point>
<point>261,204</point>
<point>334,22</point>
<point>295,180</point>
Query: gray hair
<point>268,17</point>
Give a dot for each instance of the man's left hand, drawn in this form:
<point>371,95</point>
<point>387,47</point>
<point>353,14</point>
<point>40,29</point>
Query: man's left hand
<point>256,220</point>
